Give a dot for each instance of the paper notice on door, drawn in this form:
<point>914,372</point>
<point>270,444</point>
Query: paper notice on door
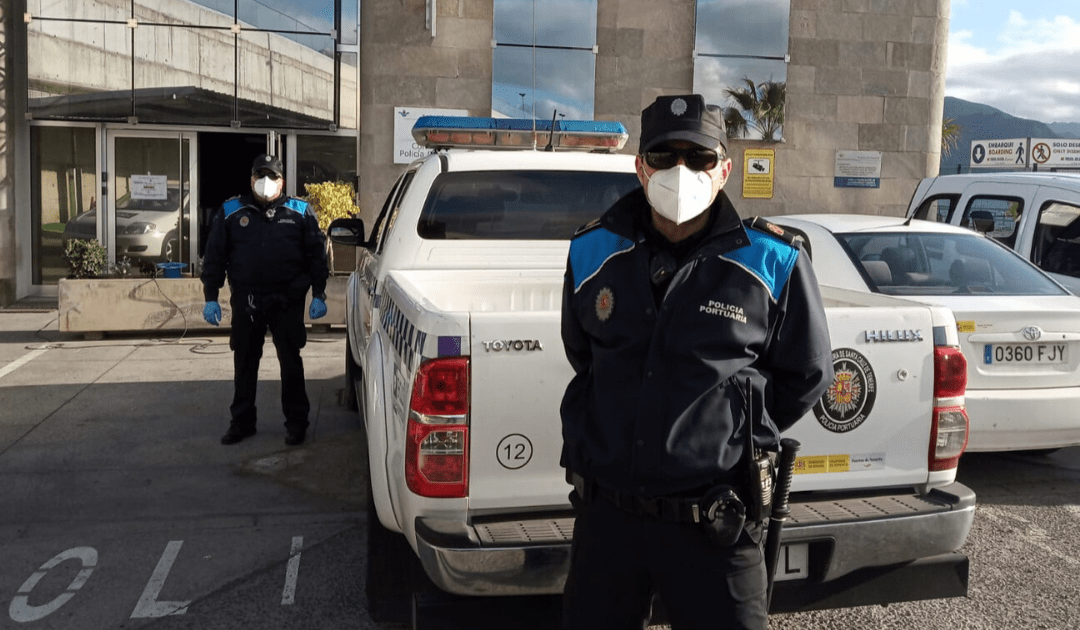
<point>149,186</point>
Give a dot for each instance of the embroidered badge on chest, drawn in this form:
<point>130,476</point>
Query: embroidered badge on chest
<point>244,221</point>
<point>605,303</point>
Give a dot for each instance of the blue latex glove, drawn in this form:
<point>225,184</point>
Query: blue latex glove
<point>212,313</point>
<point>318,308</point>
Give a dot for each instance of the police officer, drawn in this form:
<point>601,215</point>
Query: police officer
<point>670,303</point>
<point>272,250</point>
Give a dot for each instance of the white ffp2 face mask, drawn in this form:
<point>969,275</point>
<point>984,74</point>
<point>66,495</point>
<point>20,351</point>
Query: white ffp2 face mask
<point>267,188</point>
<point>679,194</point>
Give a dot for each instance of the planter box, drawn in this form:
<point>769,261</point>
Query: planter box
<point>132,304</point>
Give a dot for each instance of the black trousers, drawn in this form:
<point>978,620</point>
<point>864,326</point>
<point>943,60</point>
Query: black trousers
<point>284,318</point>
<point>619,560</point>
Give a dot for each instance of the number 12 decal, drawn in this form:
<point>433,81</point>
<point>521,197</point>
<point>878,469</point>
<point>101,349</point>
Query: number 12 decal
<point>514,451</point>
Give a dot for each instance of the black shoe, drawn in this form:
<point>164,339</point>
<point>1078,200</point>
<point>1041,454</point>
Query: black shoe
<point>294,438</point>
<point>235,435</point>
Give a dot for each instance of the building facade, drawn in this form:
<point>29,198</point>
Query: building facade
<point>129,121</point>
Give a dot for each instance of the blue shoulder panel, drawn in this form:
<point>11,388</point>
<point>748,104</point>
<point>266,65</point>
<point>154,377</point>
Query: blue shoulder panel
<point>232,205</point>
<point>768,258</point>
<point>591,250</point>
<point>297,205</point>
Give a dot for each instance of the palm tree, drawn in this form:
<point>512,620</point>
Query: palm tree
<point>950,136</point>
<point>760,107</point>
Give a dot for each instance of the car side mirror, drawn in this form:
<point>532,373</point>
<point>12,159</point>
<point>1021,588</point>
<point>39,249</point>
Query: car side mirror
<point>982,221</point>
<point>347,232</point>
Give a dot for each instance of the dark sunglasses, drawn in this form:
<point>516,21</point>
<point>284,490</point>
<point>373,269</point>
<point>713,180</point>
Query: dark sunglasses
<point>697,159</point>
<point>270,174</point>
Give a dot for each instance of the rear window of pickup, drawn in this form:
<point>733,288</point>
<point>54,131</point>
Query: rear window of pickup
<point>518,205</point>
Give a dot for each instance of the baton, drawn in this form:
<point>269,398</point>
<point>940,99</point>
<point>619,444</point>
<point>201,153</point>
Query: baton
<point>789,448</point>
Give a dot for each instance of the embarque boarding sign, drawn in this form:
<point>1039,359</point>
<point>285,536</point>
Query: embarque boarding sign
<point>1008,153</point>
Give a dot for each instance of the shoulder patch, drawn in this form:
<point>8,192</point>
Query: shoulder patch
<point>232,205</point>
<point>591,225</point>
<point>592,251</point>
<point>768,257</point>
<point>768,227</point>
<point>296,205</point>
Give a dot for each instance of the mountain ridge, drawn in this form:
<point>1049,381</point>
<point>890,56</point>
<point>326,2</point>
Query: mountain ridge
<point>983,122</point>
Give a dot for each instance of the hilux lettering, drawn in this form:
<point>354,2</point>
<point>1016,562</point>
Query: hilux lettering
<point>894,335</point>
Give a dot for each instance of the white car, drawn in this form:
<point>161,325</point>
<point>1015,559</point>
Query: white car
<point>1018,328</point>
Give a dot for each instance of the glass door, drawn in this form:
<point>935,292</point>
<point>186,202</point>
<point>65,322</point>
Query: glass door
<point>151,191</point>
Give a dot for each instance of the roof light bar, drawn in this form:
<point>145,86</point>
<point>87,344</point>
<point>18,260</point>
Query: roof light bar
<point>441,132</point>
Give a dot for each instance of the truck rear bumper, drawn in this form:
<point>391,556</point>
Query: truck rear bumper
<point>872,537</point>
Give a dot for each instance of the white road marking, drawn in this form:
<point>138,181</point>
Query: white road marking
<point>21,610</point>
<point>21,361</point>
<point>289,595</point>
<point>148,605</point>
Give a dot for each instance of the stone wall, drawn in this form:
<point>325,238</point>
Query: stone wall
<point>864,75</point>
<point>402,65</point>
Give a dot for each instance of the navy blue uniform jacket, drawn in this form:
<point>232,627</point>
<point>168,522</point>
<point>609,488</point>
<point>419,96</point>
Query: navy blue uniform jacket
<point>281,256</point>
<point>655,406</point>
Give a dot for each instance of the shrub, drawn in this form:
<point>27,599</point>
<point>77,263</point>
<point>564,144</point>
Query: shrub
<point>86,258</point>
<point>331,200</point>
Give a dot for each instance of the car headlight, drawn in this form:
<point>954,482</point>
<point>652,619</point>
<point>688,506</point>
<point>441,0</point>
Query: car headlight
<point>140,227</point>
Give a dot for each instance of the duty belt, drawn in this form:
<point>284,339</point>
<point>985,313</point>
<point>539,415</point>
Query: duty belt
<point>672,509</point>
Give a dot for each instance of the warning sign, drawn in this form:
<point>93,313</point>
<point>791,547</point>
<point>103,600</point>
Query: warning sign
<point>758,178</point>
<point>1055,152</point>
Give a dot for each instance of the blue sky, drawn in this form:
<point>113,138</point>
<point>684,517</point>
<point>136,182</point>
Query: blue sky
<point>1020,57</point>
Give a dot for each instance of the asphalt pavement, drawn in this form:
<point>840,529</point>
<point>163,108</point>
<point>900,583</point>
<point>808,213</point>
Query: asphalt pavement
<point>110,453</point>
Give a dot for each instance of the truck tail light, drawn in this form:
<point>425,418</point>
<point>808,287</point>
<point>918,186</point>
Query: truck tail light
<point>949,431</point>
<point>437,441</point>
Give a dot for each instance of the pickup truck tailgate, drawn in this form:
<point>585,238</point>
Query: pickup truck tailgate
<point>872,426</point>
<point>519,374</point>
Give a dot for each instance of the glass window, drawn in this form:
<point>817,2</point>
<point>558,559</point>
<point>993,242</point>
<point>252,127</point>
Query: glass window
<point>78,9</point>
<point>312,16</point>
<point>1005,211</point>
<point>519,205</point>
<point>1056,246</point>
<point>350,22</point>
<point>191,82</point>
<point>543,64</point>
<point>938,209</point>
<point>565,82</point>
<point>325,159</point>
<point>284,82</point>
<point>78,70</point>
<point>64,192</point>
<point>741,62</point>
<point>152,189</point>
<point>922,263</point>
<point>349,91</point>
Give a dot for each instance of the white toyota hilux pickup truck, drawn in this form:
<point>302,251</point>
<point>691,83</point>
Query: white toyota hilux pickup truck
<point>456,364</point>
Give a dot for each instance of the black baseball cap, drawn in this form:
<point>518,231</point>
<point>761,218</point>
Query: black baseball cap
<point>267,163</point>
<point>683,117</point>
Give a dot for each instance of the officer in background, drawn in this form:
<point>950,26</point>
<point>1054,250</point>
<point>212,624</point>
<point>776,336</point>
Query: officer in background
<point>272,250</point>
<point>670,303</point>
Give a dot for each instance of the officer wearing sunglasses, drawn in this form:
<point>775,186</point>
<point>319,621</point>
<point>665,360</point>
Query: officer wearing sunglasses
<point>670,303</point>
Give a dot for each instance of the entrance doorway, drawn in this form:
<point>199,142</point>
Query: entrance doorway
<point>225,171</point>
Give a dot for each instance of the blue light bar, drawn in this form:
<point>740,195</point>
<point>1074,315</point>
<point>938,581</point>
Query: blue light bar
<point>437,132</point>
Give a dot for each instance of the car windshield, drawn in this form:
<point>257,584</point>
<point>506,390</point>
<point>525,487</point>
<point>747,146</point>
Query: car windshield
<point>926,263</point>
<point>519,205</point>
